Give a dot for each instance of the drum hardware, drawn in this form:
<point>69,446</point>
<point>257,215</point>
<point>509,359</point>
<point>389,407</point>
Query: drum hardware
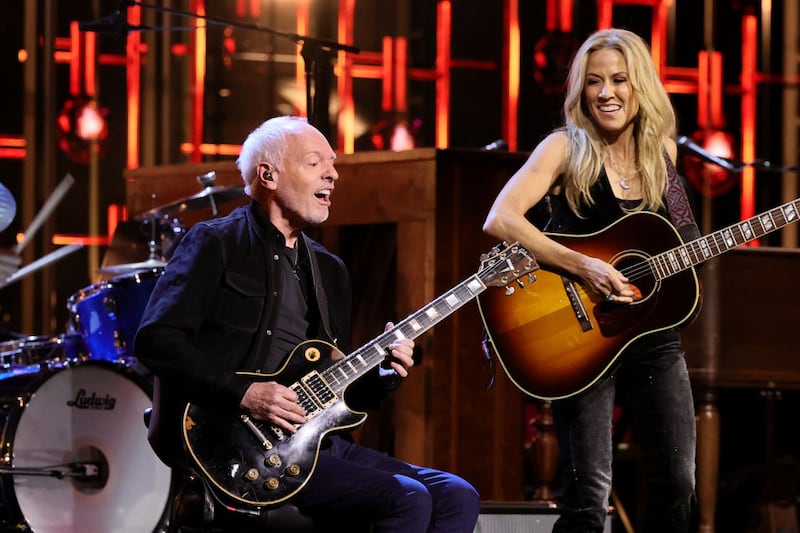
<point>48,207</point>
<point>107,314</point>
<point>156,227</point>
<point>33,353</point>
<point>40,263</point>
<point>82,471</point>
<point>132,267</point>
<point>210,196</point>
<point>83,422</point>
<point>8,207</point>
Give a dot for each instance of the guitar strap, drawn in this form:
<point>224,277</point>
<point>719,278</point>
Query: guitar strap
<point>322,299</point>
<point>678,205</point>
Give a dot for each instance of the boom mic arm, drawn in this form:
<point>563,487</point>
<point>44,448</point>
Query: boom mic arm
<point>117,22</point>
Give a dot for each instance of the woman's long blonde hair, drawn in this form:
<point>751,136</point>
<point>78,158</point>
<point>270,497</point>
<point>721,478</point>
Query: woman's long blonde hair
<point>655,120</point>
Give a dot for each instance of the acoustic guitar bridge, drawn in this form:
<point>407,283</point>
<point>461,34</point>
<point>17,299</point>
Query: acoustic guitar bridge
<point>577,304</point>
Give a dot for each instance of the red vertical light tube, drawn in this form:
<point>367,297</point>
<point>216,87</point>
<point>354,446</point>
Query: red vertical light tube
<point>443,25</point>
<point>400,70</point>
<point>75,56</point>
<point>133,73</point>
<point>386,74</point>
<point>344,81</point>
<point>300,73</point>
<point>198,81</point>
<point>748,81</point>
<point>565,16</point>
<point>511,81</point>
<point>703,89</point>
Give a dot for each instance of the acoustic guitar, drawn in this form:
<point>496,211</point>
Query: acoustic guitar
<point>249,463</point>
<point>554,339</point>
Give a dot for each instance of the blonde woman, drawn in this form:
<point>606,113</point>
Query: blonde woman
<point>612,157</point>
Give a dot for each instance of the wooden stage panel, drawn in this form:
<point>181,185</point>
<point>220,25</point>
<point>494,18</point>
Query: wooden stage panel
<point>746,337</point>
<point>755,317</point>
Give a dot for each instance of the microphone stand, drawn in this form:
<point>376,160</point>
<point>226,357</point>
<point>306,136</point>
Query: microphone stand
<point>764,165</point>
<point>737,165</point>
<point>316,54</point>
<point>76,470</point>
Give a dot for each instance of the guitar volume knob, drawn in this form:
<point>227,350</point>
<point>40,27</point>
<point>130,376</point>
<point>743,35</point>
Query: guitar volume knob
<point>251,474</point>
<point>293,470</point>
<point>272,483</point>
<point>273,460</point>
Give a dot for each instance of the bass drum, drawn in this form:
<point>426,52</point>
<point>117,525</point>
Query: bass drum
<point>76,456</point>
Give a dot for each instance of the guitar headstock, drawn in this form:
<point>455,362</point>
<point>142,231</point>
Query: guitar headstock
<point>506,263</point>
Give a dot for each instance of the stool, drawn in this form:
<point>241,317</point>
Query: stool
<point>193,509</point>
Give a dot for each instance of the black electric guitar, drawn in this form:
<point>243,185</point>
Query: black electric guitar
<point>251,463</point>
<point>555,340</point>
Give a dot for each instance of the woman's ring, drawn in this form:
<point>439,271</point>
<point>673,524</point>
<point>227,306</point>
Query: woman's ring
<point>610,297</point>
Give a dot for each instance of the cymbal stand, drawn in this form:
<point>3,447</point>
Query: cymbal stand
<point>208,180</point>
<point>152,245</point>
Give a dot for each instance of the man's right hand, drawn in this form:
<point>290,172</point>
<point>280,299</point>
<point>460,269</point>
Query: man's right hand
<point>271,401</point>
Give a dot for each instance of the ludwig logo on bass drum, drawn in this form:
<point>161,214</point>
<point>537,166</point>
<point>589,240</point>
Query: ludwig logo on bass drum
<point>82,401</point>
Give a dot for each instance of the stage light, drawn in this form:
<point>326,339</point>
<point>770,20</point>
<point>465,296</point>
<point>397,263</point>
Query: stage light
<point>709,178</point>
<point>82,127</point>
<point>552,54</point>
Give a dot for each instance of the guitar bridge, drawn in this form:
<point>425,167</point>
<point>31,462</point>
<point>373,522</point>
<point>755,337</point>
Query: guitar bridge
<point>577,304</point>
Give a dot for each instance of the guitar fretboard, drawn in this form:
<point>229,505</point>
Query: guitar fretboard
<point>699,250</point>
<point>344,372</point>
<point>317,390</point>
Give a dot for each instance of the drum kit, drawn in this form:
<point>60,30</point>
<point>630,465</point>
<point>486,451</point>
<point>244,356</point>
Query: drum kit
<point>74,455</point>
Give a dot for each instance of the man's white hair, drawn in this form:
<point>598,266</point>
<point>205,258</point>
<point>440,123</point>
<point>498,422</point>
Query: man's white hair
<point>267,143</point>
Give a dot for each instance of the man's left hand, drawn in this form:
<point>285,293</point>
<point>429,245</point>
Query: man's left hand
<point>402,354</point>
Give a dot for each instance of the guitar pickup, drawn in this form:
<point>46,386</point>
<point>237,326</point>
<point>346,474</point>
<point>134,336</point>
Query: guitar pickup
<point>319,388</point>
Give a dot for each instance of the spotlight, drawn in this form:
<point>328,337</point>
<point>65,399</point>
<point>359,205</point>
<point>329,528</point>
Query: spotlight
<point>706,176</point>
<point>82,127</point>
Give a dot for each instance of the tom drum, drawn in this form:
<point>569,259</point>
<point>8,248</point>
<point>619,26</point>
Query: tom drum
<point>37,349</point>
<point>107,314</point>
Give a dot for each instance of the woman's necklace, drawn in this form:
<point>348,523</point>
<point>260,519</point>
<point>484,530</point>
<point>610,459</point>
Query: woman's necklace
<point>623,181</point>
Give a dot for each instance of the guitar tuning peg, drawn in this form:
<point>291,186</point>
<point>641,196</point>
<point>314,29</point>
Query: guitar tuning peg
<point>521,284</point>
<point>509,290</point>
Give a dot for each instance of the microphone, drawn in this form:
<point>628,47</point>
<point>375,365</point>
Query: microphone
<point>685,142</point>
<point>84,470</point>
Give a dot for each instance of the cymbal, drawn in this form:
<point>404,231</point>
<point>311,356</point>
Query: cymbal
<point>208,197</point>
<point>132,267</point>
<point>8,207</point>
